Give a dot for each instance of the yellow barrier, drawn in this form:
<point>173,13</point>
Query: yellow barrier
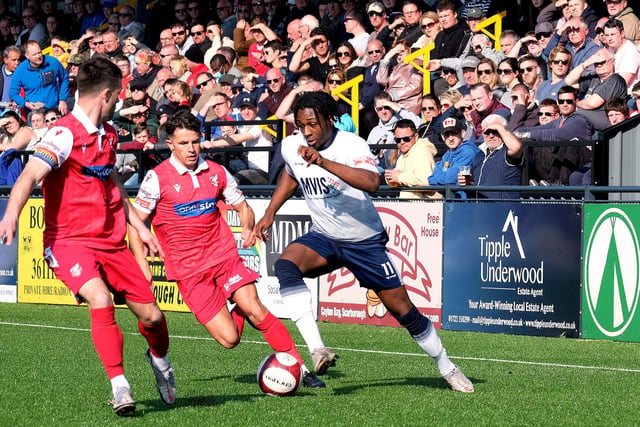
<point>354,101</point>
<point>425,53</point>
<point>497,20</point>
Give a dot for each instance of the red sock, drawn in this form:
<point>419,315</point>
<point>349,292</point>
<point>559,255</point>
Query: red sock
<point>238,317</point>
<point>157,336</point>
<point>277,336</point>
<point>107,339</point>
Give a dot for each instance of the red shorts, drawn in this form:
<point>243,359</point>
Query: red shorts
<point>76,265</point>
<point>205,293</point>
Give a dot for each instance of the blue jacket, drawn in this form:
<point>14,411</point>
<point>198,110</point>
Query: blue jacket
<point>10,167</point>
<point>48,84</point>
<point>446,170</point>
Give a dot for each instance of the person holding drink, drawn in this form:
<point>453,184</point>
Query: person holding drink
<point>458,158</point>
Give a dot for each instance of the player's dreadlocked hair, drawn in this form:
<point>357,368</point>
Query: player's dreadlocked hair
<point>320,102</point>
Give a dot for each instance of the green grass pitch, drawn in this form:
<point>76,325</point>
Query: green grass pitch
<point>51,376</point>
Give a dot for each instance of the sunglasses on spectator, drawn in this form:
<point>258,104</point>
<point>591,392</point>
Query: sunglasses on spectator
<point>573,29</point>
<point>334,66</point>
<point>179,33</point>
<point>373,52</point>
<point>372,14</point>
<point>505,71</point>
<point>319,42</point>
<point>490,132</point>
<point>560,61</point>
<point>28,16</point>
<point>428,25</point>
<point>401,139</point>
<point>197,33</point>
<point>448,71</point>
<point>386,107</point>
<point>486,72</point>
<point>465,109</point>
<point>526,69</point>
<point>545,114</point>
<point>341,54</point>
<point>222,8</point>
<point>203,84</point>
<point>566,101</point>
<point>600,64</point>
<point>273,81</point>
<point>181,10</point>
<point>541,35</point>
<point>429,108</point>
<point>51,119</point>
<point>335,81</point>
<point>97,43</point>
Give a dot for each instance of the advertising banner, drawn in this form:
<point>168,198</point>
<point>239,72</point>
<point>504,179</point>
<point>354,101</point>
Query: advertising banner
<point>291,222</point>
<point>611,279</point>
<point>8,266</point>
<point>415,246</point>
<point>512,268</point>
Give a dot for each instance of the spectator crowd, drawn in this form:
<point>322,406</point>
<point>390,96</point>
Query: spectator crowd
<point>560,70</point>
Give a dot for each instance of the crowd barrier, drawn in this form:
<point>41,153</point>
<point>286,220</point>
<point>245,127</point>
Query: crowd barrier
<point>529,266</point>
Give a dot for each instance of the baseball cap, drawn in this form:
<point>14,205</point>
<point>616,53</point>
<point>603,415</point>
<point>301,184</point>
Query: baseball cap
<point>544,27</point>
<point>451,124</point>
<point>165,109</point>
<point>376,6</point>
<point>75,59</point>
<point>476,13</point>
<point>247,101</point>
<point>470,62</point>
<point>138,83</point>
<point>194,54</point>
<point>227,79</point>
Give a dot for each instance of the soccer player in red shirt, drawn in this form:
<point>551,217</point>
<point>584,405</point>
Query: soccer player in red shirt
<point>86,213</point>
<point>180,196</point>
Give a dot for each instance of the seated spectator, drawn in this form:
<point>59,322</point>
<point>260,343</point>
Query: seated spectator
<point>508,73</point>
<point>559,64</point>
<point>621,11</point>
<point>525,109</point>
<point>580,44</point>
<point>530,73</point>
<point>39,126</point>
<point>346,55</point>
<point>430,110</point>
<point>459,153</point>
<point>129,27</point>
<point>257,162</point>
<point>220,103</point>
<point>483,48</point>
<point>617,112</point>
<point>130,115</point>
<point>465,69</point>
<point>261,34</point>
<point>595,89</point>
<point>14,133</point>
<point>274,55</point>
<point>414,163</point>
<point>344,122</point>
<point>179,68</point>
<point>317,64</point>
<point>249,87</point>
<point>500,160</point>
<point>430,25</point>
<point>194,59</point>
<point>487,74</point>
<point>277,90</point>
<point>179,94</point>
<point>484,105</point>
<point>548,111</point>
<point>555,164</point>
<point>402,82</point>
<point>389,114</point>
<point>448,99</point>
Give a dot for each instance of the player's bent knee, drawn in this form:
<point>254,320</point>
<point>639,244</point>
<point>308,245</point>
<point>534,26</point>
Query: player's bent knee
<point>288,274</point>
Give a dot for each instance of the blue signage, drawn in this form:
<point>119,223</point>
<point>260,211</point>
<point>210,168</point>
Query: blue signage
<point>8,265</point>
<point>512,268</point>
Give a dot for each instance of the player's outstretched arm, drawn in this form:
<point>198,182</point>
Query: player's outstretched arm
<point>33,173</point>
<point>286,188</point>
<point>359,178</point>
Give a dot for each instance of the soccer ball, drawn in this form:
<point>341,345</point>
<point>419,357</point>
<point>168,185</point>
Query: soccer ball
<point>279,374</point>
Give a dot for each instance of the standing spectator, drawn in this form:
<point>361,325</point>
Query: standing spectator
<point>415,162</point>
<point>370,87</point>
<point>581,9</point>
<point>403,82</point>
<point>199,36</point>
<point>485,105</point>
<point>11,60</point>
<point>619,10</point>
<point>450,42</point>
<point>42,78</point>
<point>354,25</point>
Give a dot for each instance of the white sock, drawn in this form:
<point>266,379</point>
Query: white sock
<point>304,369</point>
<point>119,382</point>
<point>161,363</point>
<point>309,330</point>
<point>432,345</point>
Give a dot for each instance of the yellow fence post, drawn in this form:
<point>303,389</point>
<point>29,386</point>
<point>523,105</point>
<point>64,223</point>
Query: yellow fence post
<point>354,101</point>
<point>425,53</point>
<point>497,20</point>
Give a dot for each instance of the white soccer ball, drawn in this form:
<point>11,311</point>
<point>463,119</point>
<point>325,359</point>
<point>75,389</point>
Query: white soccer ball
<point>279,374</point>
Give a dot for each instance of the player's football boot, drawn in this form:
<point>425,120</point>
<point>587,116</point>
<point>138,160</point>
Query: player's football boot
<point>310,380</point>
<point>165,382</point>
<point>323,359</point>
<point>458,382</point>
<point>123,403</point>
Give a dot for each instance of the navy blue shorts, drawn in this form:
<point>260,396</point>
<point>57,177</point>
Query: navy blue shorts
<point>368,260</point>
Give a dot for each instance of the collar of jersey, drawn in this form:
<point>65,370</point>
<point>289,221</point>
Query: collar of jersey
<point>82,117</point>
<point>202,165</point>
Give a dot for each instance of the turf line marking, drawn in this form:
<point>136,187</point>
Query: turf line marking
<point>395,353</point>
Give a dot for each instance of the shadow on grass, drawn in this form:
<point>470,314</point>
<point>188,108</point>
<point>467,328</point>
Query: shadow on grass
<point>156,405</point>
<point>435,383</point>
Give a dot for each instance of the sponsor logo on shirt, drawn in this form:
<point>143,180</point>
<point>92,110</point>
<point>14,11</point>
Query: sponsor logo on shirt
<point>196,208</point>
<point>177,187</point>
<point>101,172</point>
<point>214,180</point>
<point>320,186</point>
